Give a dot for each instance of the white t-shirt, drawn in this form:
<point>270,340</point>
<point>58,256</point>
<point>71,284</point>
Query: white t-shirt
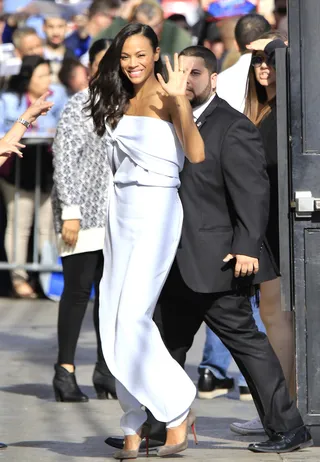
<point>232,83</point>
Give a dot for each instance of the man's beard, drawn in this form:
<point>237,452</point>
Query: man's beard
<point>54,45</point>
<point>203,97</point>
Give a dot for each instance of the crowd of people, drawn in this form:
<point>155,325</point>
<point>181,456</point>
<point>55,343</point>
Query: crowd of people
<point>141,106</point>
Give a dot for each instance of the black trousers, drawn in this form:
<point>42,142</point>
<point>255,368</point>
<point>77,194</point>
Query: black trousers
<point>80,272</point>
<point>180,313</point>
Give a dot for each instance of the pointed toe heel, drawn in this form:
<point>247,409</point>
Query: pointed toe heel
<point>168,450</point>
<point>124,454</point>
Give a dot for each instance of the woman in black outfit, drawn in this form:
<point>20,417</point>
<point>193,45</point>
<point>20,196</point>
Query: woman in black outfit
<point>79,200</point>
<point>261,109</point>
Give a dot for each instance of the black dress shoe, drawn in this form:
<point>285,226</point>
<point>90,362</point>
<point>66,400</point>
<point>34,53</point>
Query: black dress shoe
<point>210,387</point>
<point>66,388</point>
<point>3,446</point>
<point>299,438</point>
<point>104,382</point>
<point>118,443</point>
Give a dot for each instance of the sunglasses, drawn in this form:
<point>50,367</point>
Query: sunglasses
<point>257,60</point>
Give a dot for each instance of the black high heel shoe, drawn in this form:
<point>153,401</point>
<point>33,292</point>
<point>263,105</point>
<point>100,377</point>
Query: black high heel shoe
<point>104,382</point>
<point>66,388</point>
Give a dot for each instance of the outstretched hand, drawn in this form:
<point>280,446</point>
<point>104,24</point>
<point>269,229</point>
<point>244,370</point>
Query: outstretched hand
<point>8,147</point>
<point>178,76</point>
<point>38,108</point>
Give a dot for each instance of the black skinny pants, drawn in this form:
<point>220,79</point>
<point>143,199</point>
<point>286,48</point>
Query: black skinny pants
<point>80,272</point>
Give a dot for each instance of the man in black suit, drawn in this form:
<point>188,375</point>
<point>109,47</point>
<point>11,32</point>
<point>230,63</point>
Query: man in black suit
<point>222,253</point>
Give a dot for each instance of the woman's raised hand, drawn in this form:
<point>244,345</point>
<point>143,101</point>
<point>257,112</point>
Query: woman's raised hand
<point>38,108</point>
<point>8,147</point>
<point>178,76</point>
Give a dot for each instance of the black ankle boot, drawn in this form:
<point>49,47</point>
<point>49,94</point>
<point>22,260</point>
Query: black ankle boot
<point>66,388</point>
<point>104,382</point>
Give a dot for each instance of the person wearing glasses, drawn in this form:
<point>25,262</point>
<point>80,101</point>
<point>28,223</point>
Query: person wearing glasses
<point>9,144</point>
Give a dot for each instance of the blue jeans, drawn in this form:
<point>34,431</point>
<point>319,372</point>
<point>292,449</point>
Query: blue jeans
<point>217,358</point>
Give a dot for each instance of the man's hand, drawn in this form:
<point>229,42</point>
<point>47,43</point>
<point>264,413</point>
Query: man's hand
<point>70,231</point>
<point>245,266</point>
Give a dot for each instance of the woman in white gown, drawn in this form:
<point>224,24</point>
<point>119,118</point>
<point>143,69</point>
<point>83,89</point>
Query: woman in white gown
<point>148,127</point>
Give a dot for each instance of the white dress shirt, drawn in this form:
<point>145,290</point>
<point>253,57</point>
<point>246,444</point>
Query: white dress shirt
<point>197,111</point>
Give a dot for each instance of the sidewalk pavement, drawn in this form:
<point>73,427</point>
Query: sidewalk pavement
<point>38,429</point>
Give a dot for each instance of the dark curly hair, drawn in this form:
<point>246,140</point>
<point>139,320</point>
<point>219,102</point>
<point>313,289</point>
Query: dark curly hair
<point>110,90</point>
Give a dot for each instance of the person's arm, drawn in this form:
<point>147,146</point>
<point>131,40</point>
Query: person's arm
<point>70,138</point>
<point>181,112</point>
<point>244,170</point>
<point>38,108</point>
<point>269,46</point>
<point>10,141</point>
<point>6,149</point>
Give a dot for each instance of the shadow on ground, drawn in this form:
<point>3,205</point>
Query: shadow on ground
<point>94,446</point>
<point>41,390</point>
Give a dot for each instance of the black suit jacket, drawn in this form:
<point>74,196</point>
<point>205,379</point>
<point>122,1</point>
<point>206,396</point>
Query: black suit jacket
<point>226,203</point>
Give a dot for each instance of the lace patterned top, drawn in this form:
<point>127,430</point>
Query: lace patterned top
<point>81,175</point>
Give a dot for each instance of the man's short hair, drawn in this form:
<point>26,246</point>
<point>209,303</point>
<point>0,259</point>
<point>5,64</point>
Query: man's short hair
<point>197,51</point>
<point>148,8</point>
<point>102,7</point>
<point>54,16</point>
<point>20,33</point>
<point>249,28</point>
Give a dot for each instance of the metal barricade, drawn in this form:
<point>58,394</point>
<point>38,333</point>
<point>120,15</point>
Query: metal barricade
<point>37,139</point>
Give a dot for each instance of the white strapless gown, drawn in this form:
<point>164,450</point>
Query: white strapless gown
<point>142,234</point>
